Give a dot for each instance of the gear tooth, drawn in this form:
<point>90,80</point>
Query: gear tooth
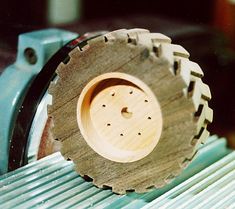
<point>136,31</point>
<point>201,121</point>
<point>66,156</point>
<point>118,190</point>
<point>74,55</point>
<point>206,93</point>
<point>155,38</point>
<point>107,187</point>
<point>158,37</point>
<point>76,51</point>
<point>100,186</point>
<point>49,110</point>
<point>195,93</point>
<point>129,35</point>
<point>150,188</point>
<point>197,90</point>
<point>60,69</point>
<point>204,136</point>
<point>65,152</point>
<point>84,48</point>
<point>201,137</point>
<point>156,49</point>
<point>194,141</point>
<point>160,184</point>
<point>209,115</point>
<point>117,35</point>
<point>51,107</point>
<point>97,183</point>
<point>196,70</point>
<point>187,157</point>
<point>145,40</point>
<point>152,40</point>
<point>132,40</point>
<point>97,42</point>
<point>52,88</point>
<point>183,68</point>
<point>185,162</point>
<point>81,173</point>
<point>123,30</point>
<point>177,172</point>
<point>139,190</point>
<point>109,37</point>
<point>165,51</point>
<point>171,52</point>
<point>169,178</point>
<point>179,51</point>
<point>204,115</point>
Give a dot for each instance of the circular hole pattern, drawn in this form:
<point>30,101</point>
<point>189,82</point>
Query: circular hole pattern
<point>108,112</point>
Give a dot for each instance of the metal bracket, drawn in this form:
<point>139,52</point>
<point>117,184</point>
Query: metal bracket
<point>34,50</point>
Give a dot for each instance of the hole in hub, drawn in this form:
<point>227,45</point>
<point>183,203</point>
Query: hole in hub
<point>126,113</point>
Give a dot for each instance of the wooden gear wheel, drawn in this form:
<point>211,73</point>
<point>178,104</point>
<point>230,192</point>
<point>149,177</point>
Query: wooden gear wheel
<point>130,110</point>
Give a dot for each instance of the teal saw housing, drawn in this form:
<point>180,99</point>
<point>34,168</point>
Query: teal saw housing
<point>34,50</point>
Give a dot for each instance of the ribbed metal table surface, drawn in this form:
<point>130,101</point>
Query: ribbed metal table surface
<point>52,183</point>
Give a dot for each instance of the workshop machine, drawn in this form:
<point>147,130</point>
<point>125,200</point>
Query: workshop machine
<point>33,172</point>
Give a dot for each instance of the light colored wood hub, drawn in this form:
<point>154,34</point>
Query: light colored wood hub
<point>130,110</point>
<point>119,117</point>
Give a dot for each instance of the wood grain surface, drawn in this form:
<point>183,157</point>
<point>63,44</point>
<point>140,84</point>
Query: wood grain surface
<point>175,82</point>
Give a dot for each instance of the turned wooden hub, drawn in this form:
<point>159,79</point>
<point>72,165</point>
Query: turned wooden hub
<point>119,117</point>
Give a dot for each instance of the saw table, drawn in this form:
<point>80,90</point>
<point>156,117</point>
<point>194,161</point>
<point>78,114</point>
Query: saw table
<point>209,182</point>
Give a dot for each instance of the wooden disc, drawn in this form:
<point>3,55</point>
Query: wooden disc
<point>130,109</point>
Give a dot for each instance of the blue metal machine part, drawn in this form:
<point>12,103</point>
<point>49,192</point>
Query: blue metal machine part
<point>34,50</point>
<point>52,183</point>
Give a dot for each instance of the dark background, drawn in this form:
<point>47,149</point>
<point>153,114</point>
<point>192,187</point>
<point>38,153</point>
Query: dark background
<point>205,28</point>
<point>28,12</point>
